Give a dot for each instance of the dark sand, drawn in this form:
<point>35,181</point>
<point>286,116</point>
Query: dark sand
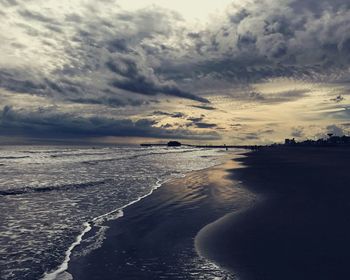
<point>155,237</point>
<point>301,230</point>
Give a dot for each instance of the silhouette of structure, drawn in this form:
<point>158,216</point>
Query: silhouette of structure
<point>330,141</point>
<point>289,141</point>
<point>174,144</point>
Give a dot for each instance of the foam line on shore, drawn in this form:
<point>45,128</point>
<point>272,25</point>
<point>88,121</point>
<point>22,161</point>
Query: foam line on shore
<point>63,267</point>
<point>87,227</point>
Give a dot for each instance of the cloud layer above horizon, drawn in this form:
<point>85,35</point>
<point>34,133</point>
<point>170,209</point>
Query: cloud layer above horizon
<point>252,72</point>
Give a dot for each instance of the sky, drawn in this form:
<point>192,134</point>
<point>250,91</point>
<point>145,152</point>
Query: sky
<point>198,71</point>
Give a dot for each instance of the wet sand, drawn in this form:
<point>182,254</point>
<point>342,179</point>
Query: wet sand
<point>300,230</point>
<point>155,237</point>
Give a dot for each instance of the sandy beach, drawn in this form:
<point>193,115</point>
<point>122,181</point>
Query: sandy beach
<point>278,213</point>
<point>155,237</point>
<point>300,230</point>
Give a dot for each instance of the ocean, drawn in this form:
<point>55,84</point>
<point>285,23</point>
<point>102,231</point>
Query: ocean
<point>50,196</point>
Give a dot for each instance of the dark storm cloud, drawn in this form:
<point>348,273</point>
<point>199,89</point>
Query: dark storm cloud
<point>173,115</point>
<point>168,125</point>
<point>204,107</point>
<point>205,125</point>
<point>108,54</point>
<point>135,77</point>
<point>111,102</point>
<point>257,40</point>
<point>195,119</point>
<point>178,115</point>
<point>124,53</point>
<point>199,123</point>
<point>14,83</point>
<point>48,122</point>
<point>147,87</point>
<point>66,90</point>
<point>270,38</point>
<point>160,113</point>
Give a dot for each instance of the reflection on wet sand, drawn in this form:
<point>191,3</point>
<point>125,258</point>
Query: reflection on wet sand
<point>155,237</point>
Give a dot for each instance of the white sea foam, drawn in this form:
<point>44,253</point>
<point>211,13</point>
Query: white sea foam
<point>60,273</point>
<point>119,211</point>
<point>63,267</point>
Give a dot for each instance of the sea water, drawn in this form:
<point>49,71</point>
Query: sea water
<point>49,195</point>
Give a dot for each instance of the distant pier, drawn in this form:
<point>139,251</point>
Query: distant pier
<point>178,144</point>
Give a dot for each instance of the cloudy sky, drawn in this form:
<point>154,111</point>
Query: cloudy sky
<point>200,71</point>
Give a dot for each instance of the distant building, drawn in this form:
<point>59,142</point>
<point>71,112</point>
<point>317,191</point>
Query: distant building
<point>332,140</point>
<point>289,142</point>
<point>174,144</point>
<point>345,139</point>
<point>339,140</point>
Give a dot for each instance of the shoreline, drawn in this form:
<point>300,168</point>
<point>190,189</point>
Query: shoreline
<point>172,214</point>
<point>61,270</point>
